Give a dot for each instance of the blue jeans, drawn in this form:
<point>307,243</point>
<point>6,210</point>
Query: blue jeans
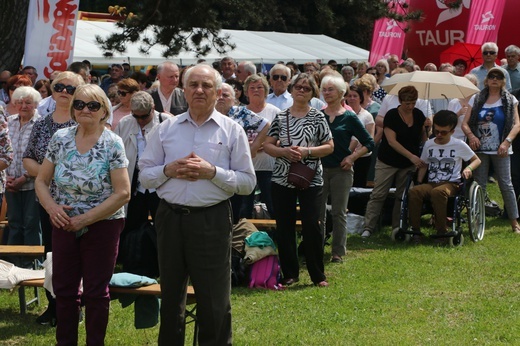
<point>24,218</point>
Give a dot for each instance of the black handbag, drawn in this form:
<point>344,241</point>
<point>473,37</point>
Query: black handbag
<point>300,175</point>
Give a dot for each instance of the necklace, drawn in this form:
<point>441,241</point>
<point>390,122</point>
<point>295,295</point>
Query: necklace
<point>408,122</point>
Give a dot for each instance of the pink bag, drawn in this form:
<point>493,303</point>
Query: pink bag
<point>265,273</point>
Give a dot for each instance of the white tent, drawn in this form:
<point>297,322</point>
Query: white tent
<point>256,46</point>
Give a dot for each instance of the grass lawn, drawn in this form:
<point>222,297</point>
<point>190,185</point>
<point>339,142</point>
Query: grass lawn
<point>382,294</point>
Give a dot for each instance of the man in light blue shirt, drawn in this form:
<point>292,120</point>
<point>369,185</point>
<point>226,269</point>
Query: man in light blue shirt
<point>489,55</point>
<point>280,78</point>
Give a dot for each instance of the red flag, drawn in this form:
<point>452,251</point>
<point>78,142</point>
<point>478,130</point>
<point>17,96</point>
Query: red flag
<point>388,37</point>
<point>484,21</point>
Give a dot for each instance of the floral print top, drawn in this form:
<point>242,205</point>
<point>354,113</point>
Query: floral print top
<point>6,150</point>
<point>83,180</point>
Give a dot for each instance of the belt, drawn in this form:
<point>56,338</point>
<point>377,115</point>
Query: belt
<point>187,210</point>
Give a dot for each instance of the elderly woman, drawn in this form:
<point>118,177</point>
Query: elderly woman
<point>303,136</point>
<point>64,86</point>
<point>134,129</point>
<point>347,72</point>
<point>89,167</point>
<point>125,89</point>
<point>257,89</point>
<point>338,167</point>
<point>354,99</point>
<point>382,70</point>
<point>403,133</point>
<point>238,87</point>
<point>13,83</point>
<point>23,212</point>
<point>495,108</point>
<point>6,152</point>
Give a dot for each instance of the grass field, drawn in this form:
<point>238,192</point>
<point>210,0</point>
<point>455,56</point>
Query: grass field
<point>382,294</point>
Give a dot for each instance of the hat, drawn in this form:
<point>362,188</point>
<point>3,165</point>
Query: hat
<point>496,70</point>
<point>116,65</point>
<point>460,62</point>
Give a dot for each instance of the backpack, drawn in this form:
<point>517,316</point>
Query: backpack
<point>138,251</point>
<point>265,273</point>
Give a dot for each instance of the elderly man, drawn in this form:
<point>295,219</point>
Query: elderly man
<point>134,129</point>
<point>489,55</point>
<point>228,67</point>
<point>30,71</point>
<point>280,78</point>
<point>256,129</point>
<point>168,97</point>
<point>512,67</point>
<point>116,74</point>
<point>244,70</point>
<point>393,63</point>
<point>196,162</point>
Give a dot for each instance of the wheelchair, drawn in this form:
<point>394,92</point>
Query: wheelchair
<point>470,198</point>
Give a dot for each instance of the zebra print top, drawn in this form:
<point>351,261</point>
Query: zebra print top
<point>309,131</point>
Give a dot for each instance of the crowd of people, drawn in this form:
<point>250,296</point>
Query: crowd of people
<point>86,158</point>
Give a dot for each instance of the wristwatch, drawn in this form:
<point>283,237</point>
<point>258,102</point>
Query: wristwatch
<point>509,140</point>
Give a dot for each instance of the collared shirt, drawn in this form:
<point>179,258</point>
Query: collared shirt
<point>219,140</point>
<point>166,101</point>
<point>481,72</point>
<point>19,139</point>
<point>282,101</point>
<point>514,76</point>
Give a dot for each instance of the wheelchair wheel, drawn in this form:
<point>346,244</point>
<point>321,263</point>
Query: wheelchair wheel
<point>476,212</point>
<point>457,241</point>
<point>398,235</point>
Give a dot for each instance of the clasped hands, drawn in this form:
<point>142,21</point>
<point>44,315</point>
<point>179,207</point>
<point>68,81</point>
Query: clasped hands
<point>60,219</point>
<point>191,167</point>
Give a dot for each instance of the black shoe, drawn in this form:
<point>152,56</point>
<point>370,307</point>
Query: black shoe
<point>47,318</point>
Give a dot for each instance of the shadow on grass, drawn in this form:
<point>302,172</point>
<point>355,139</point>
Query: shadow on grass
<point>16,326</point>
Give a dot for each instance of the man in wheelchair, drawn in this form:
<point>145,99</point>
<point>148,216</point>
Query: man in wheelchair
<point>444,156</point>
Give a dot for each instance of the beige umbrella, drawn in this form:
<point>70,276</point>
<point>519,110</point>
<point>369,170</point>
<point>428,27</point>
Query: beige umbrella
<point>431,85</point>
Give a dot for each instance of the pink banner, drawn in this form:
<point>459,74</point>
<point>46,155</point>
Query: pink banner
<point>51,30</point>
<point>484,21</point>
<point>388,37</point>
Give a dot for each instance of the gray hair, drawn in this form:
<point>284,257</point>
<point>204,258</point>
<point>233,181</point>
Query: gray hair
<point>218,78</point>
<point>141,102</point>
<point>280,67</point>
<point>489,45</point>
<point>27,91</point>
<point>472,78</point>
<point>232,90</point>
<point>384,63</point>
<point>337,81</point>
<point>161,66</point>
<point>512,49</point>
<point>249,67</point>
<point>347,68</point>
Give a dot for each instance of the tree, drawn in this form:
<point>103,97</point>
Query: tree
<point>13,23</point>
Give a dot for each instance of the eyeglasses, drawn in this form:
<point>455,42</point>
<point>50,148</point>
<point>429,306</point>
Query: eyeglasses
<point>495,76</point>
<point>489,52</point>
<point>141,117</point>
<point>279,76</point>
<point>92,106</point>
<point>442,133</point>
<point>123,93</point>
<point>302,87</point>
<point>59,87</point>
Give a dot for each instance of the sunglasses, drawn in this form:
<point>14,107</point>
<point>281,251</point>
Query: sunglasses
<point>92,106</point>
<point>489,52</point>
<point>59,87</point>
<point>279,76</point>
<point>123,93</point>
<point>495,76</point>
<point>442,133</point>
<point>141,117</point>
<point>302,87</point>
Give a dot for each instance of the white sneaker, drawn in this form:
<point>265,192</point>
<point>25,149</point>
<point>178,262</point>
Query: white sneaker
<point>365,234</point>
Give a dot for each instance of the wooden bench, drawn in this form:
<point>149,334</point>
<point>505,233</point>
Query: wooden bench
<point>268,223</point>
<point>33,251</point>
<point>153,289</point>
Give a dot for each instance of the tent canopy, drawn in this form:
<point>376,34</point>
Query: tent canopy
<point>256,46</point>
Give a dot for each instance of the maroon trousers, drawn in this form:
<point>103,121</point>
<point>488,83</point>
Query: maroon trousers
<point>91,257</point>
